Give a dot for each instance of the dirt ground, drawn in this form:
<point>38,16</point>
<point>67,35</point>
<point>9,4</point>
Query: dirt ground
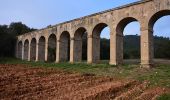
<point>23,82</point>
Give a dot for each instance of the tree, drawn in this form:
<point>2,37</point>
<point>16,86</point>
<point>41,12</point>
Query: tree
<point>8,37</point>
<point>18,28</point>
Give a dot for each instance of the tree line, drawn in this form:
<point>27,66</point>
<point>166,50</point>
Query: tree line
<point>8,35</point>
<point>132,47</point>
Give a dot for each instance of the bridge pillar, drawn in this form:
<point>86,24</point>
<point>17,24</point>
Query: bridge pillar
<point>58,52</point>
<point>72,56</point>
<point>22,51</point>
<point>89,49</point>
<point>116,48</point>
<point>37,47</point>
<point>29,53</point>
<point>93,54</point>
<point>146,47</point>
<point>46,50</point>
<point>113,50</point>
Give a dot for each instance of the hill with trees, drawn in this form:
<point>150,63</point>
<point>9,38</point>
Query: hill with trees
<point>132,47</point>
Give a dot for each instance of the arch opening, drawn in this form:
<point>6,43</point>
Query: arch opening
<point>33,50</point>
<point>80,45</point>
<point>20,49</point>
<point>128,39</point>
<point>105,44</point>
<point>26,47</point>
<point>161,36</point>
<point>52,48</point>
<point>101,43</point>
<point>41,49</point>
<point>156,17</point>
<point>65,46</point>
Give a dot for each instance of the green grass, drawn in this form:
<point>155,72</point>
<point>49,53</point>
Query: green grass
<point>158,76</point>
<point>164,97</point>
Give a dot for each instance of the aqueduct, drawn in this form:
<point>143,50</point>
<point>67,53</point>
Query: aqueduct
<point>65,39</point>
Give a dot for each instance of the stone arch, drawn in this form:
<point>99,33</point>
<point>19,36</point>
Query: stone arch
<point>80,42</point>
<point>64,46</point>
<point>123,23</point>
<point>96,41</point>
<point>52,41</point>
<point>97,29</point>
<point>119,36</point>
<point>41,48</point>
<point>26,49</point>
<point>20,49</point>
<point>156,16</point>
<point>153,19</point>
<point>33,49</point>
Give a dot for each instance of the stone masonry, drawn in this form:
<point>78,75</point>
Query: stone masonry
<point>67,37</point>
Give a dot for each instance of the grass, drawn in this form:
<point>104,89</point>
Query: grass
<point>158,76</point>
<point>164,97</point>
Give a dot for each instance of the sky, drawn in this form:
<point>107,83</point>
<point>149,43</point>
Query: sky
<point>41,13</point>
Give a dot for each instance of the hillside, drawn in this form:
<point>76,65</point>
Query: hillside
<point>132,47</point>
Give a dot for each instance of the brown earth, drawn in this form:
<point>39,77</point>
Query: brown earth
<point>24,82</point>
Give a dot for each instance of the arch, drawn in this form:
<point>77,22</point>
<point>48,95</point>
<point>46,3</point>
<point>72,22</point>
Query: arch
<point>97,29</point>
<point>96,55</point>
<point>119,37</point>
<point>41,49</point>
<point>26,48</point>
<point>52,48</point>
<point>64,46</point>
<point>80,44</point>
<point>33,49</point>
<point>123,23</point>
<point>156,16</point>
<point>20,49</point>
<point>79,33</point>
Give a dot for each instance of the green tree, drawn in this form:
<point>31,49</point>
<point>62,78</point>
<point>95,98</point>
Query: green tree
<point>8,37</point>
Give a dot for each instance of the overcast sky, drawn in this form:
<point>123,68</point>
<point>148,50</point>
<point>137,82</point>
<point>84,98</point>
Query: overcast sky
<point>41,13</point>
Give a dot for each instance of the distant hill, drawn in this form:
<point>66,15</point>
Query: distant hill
<point>132,47</point>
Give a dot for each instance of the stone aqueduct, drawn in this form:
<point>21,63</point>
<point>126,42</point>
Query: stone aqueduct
<point>33,46</point>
